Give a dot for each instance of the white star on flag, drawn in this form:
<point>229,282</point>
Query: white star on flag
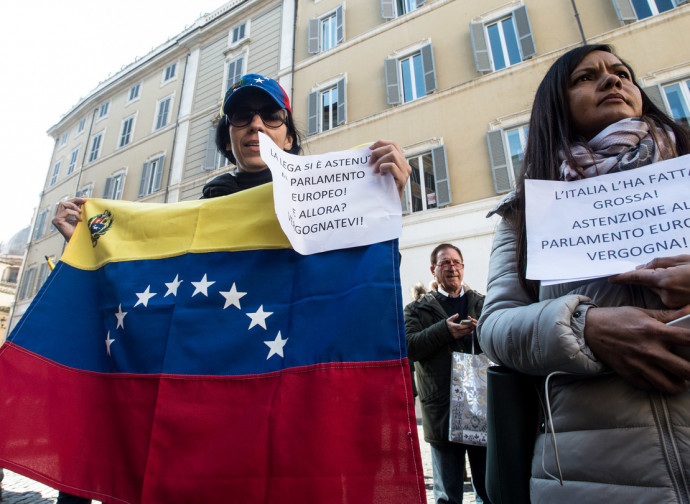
<point>172,286</point>
<point>276,346</point>
<point>258,80</point>
<point>108,342</point>
<point>144,297</point>
<point>202,286</point>
<point>120,317</point>
<point>232,297</point>
<point>259,317</point>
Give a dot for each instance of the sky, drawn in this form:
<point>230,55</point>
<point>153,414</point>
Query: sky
<point>48,66</point>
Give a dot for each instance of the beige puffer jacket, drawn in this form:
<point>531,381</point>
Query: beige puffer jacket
<point>615,444</point>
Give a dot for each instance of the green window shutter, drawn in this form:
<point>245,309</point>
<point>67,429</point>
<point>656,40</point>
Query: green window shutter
<point>387,9</point>
<point>42,275</point>
<point>438,158</point>
<point>144,178</point>
<point>27,283</point>
<point>313,113</point>
<point>404,202</point>
<point>234,71</point>
<point>210,156</point>
<point>159,174</point>
<point>40,224</point>
<point>107,192</point>
<point>625,11</point>
<point>480,47</point>
<point>313,40</point>
<point>393,91</point>
<point>429,68</point>
<point>340,115</point>
<point>499,161</point>
<point>524,32</point>
<point>340,24</point>
<point>655,94</point>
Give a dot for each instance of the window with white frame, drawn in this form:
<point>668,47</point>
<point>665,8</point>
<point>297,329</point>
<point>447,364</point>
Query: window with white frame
<point>63,138</point>
<point>113,186</point>
<point>103,110</point>
<point>428,186</point>
<point>411,76</point>
<point>40,228</point>
<point>95,147</point>
<point>163,113</point>
<point>126,131</point>
<point>326,108</point>
<point>55,172</point>
<point>134,92</point>
<point>394,8</point>
<point>84,192</point>
<point>72,161</point>
<point>678,98</point>
<point>170,72</point>
<point>506,153</point>
<point>326,31</point>
<point>151,175</point>
<point>81,125</point>
<point>213,159</point>
<point>233,71</point>
<point>239,33</point>
<point>503,41</point>
<point>631,10</point>
<point>27,287</point>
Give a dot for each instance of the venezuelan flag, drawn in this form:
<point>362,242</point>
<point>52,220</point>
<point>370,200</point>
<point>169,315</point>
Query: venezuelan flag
<point>185,353</point>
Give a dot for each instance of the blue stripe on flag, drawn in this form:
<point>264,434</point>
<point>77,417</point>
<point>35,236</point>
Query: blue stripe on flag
<point>182,315</point>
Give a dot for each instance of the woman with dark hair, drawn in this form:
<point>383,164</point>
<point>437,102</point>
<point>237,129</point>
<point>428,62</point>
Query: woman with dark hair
<point>256,103</point>
<point>615,425</point>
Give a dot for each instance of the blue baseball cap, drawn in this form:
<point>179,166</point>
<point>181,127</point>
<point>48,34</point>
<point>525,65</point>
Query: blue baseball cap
<point>254,81</point>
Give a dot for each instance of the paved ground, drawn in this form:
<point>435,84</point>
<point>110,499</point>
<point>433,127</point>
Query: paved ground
<point>468,497</point>
<point>17,489</point>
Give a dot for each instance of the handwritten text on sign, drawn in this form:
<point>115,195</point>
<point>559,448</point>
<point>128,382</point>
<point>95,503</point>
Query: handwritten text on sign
<point>331,201</point>
<point>607,224</point>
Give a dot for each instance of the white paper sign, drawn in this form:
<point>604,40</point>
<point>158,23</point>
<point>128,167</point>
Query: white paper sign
<point>331,201</point>
<point>608,224</point>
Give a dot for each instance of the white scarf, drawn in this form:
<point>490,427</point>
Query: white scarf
<point>623,145</point>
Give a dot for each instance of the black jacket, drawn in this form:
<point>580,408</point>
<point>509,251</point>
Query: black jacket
<point>227,183</point>
<point>431,346</point>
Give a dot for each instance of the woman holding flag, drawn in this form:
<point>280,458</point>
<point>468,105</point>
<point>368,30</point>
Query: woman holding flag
<point>254,104</point>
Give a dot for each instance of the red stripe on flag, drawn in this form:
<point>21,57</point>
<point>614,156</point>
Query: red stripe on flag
<point>74,430</point>
<point>328,433</point>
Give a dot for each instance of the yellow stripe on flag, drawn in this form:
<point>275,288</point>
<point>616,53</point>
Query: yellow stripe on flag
<point>242,221</point>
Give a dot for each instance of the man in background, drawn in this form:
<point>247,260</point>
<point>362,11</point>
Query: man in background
<point>437,324</point>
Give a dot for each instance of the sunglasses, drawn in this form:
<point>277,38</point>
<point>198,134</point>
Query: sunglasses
<point>271,117</point>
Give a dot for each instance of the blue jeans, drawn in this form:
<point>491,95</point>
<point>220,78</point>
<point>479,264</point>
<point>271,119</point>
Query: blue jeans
<point>448,463</point>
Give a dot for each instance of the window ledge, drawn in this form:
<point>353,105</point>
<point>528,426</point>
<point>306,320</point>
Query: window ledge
<point>237,45</point>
